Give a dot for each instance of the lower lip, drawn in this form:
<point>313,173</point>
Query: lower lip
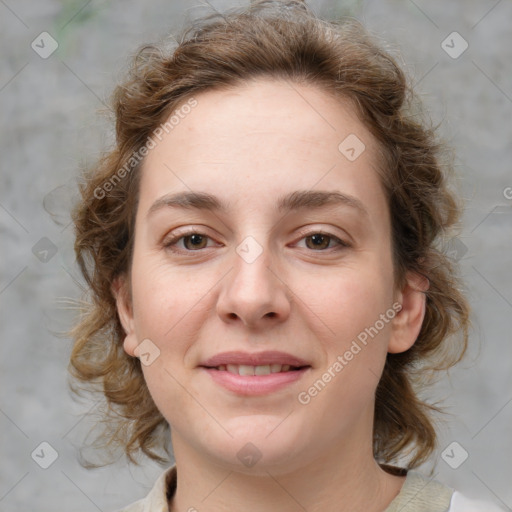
<point>255,384</point>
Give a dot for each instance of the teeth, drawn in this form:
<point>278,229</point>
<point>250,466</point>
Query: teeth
<point>244,369</point>
<point>262,370</point>
<point>232,368</point>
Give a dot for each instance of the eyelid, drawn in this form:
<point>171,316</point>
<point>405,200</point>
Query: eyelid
<point>320,231</point>
<point>177,235</point>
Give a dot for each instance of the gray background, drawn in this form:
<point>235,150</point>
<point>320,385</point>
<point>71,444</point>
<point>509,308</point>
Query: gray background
<point>51,129</point>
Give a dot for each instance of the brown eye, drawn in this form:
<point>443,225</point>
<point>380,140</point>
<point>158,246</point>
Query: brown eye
<point>319,241</point>
<point>197,241</point>
<point>192,241</point>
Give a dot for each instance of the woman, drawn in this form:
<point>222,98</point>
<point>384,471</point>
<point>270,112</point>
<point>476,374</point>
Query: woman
<point>262,247</point>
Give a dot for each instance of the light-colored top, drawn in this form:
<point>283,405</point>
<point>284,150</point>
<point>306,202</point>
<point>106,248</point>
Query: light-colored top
<point>418,494</point>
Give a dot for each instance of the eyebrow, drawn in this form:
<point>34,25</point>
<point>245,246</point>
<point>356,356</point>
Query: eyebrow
<point>297,200</point>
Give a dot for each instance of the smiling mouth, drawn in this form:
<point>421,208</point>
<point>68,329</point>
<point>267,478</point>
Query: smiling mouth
<point>248,370</point>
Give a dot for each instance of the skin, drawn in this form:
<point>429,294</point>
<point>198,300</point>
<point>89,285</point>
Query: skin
<point>294,297</point>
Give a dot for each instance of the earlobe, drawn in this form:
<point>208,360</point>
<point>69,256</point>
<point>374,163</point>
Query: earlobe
<point>407,323</point>
<point>125,312</point>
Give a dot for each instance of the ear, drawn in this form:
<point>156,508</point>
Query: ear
<point>125,311</point>
<point>406,325</point>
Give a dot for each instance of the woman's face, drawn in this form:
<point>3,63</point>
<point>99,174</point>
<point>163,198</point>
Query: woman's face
<point>275,268</point>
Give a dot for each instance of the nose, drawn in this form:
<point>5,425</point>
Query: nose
<point>253,292</point>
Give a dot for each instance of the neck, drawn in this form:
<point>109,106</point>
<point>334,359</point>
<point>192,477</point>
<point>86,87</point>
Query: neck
<point>352,481</point>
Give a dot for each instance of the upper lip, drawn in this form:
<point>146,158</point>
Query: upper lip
<point>254,359</point>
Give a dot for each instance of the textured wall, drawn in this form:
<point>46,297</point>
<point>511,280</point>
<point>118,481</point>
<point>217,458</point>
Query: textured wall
<point>51,128</point>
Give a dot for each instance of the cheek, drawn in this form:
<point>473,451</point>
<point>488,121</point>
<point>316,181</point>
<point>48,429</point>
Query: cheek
<point>357,309</point>
<point>168,306</point>
<point>159,294</point>
<point>165,305</point>
<point>348,299</point>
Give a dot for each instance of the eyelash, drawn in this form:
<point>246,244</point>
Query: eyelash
<point>168,244</point>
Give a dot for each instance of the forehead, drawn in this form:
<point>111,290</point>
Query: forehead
<point>260,139</point>
<point>289,112</point>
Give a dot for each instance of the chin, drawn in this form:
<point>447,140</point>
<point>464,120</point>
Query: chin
<point>257,453</point>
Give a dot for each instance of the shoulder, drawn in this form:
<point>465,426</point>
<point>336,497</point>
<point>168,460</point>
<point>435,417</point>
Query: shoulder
<point>157,498</point>
<point>422,494</point>
<point>461,503</point>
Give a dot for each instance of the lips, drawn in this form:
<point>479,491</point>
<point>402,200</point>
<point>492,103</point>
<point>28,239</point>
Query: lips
<point>244,369</point>
<point>255,374</point>
<point>259,359</point>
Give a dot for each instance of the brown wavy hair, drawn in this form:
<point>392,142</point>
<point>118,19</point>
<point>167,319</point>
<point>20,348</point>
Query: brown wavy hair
<point>283,40</point>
